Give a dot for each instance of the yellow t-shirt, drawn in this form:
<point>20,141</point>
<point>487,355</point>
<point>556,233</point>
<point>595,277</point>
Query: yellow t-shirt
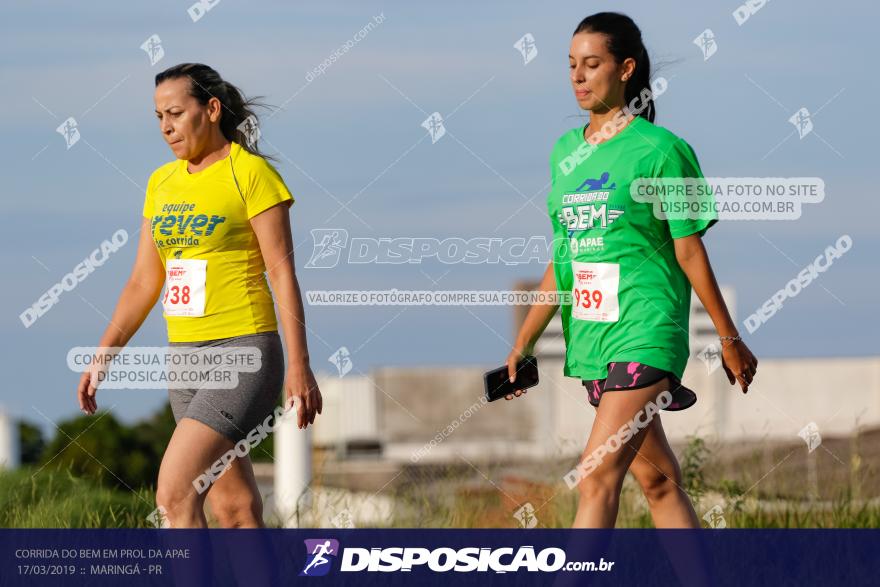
<point>215,284</point>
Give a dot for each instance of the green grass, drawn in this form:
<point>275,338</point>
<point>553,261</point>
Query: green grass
<point>57,499</point>
<point>492,509</point>
<point>448,496</point>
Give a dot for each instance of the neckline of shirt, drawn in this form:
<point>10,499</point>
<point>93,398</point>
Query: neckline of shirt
<point>636,120</point>
<point>210,169</point>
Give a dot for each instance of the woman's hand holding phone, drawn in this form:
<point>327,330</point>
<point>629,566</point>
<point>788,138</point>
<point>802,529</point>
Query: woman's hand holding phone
<point>516,355</point>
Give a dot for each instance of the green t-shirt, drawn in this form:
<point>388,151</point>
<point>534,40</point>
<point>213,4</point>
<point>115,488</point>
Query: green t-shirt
<point>631,299</point>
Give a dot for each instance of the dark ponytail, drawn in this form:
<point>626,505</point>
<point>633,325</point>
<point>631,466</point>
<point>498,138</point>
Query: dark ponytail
<point>624,40</point>
<point>206,83</point>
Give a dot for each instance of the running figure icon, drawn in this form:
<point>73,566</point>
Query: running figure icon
<point>318,558</point>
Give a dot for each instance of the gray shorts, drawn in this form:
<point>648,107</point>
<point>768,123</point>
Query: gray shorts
<point>235,411</point>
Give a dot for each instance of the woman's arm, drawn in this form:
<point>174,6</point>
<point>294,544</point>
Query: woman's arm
<point>138,297</point>
<point>272,228</point>
<point>738,361</point>
<point>533,326</point>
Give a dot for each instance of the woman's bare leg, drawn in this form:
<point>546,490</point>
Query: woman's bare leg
<point>600,486</point>
<point>659,475</point>
<point>235,499</point>
<point>193,448</point>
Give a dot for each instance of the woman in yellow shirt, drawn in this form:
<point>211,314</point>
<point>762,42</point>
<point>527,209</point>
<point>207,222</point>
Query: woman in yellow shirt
<point>215,220</point>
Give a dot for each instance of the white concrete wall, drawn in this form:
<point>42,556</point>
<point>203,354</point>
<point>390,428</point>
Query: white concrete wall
<point>349,411</point>
<point>837,394</point>
<point>10,454</point>
<point>554,419</point>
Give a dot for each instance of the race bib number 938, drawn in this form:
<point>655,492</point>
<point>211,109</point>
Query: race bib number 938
<point>185,287</point>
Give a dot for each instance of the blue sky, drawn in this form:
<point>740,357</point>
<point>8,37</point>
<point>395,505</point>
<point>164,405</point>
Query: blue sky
<point>358,125</point>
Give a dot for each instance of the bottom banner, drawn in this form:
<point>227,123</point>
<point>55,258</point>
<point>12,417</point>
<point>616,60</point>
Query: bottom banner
<point>389,557</point>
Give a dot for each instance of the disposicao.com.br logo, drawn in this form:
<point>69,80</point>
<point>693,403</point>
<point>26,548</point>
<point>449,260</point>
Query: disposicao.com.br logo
<point>318,556</point>
<point>442,560</point>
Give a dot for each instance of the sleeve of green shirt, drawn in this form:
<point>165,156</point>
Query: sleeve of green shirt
<point>680,161</point>
<point>558,232</point>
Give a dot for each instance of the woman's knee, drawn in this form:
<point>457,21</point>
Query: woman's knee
<point>601,485</point>
<point>237,510</point>
<point>176,496</point>
<point>657,485</point>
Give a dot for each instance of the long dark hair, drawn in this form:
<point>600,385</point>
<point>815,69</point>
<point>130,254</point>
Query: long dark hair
<point>206,83</point>
<point>624,40</point>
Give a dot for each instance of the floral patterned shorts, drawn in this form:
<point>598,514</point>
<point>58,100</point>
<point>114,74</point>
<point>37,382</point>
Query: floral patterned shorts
<point>629,375</point>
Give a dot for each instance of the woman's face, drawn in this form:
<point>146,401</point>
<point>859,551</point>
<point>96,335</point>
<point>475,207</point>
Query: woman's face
<point>595,75</point>
<point>185,124</point>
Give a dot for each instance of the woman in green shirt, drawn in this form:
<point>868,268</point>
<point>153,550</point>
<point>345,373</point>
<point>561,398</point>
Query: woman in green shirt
<point>630,271</point>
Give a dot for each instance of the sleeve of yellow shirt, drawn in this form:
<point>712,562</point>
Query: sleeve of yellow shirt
<point>265,188</point>
<point>148,198</point>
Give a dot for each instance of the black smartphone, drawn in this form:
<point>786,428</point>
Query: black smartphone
<point>498,380</point>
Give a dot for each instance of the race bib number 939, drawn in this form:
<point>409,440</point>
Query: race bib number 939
<point>594,291</point>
